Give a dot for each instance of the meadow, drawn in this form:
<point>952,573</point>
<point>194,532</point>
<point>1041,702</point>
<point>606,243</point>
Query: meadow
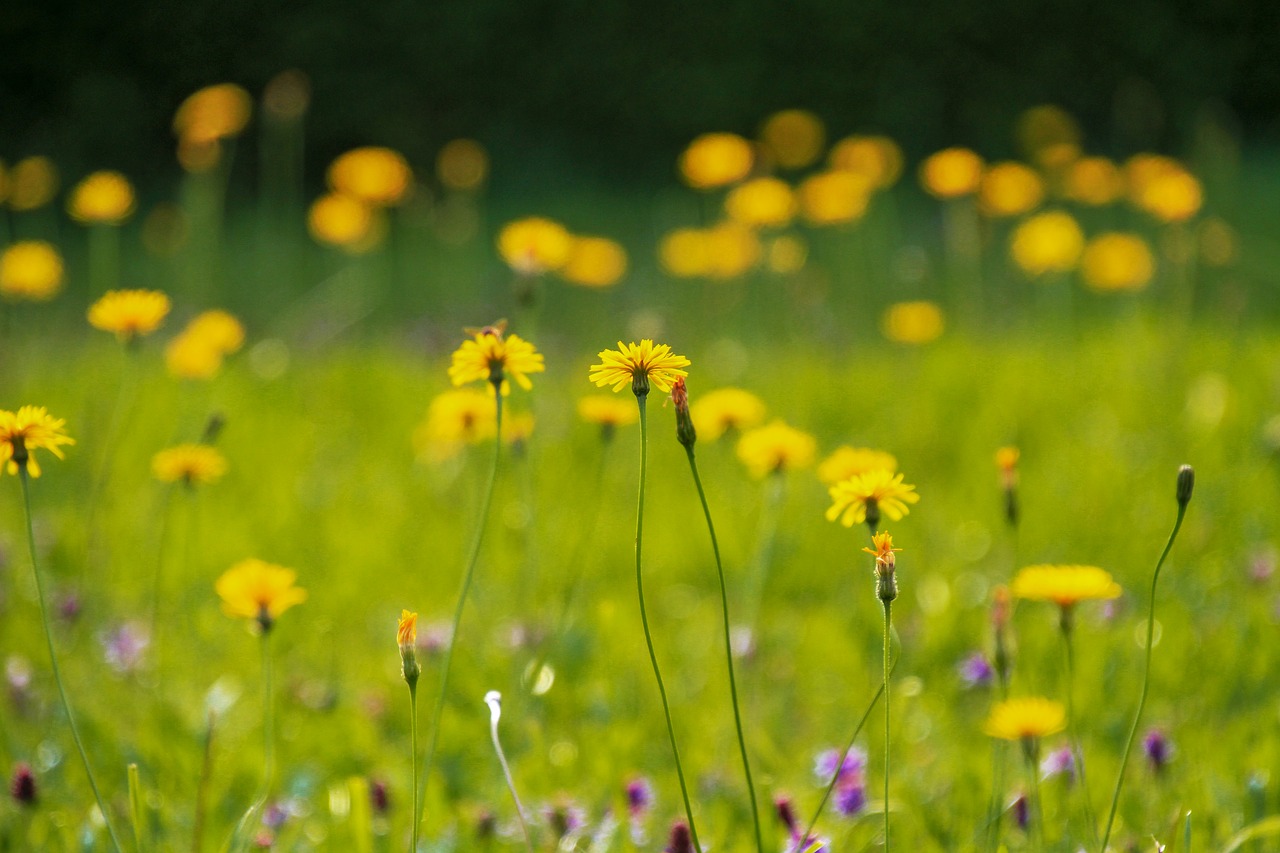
<point>349,460</point>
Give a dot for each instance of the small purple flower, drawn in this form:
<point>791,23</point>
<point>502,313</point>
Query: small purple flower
<point>17,676</point>
<point>1262,565</point>
<point>855,763</point>
<point>1060,762</point>
<point>681,841</point>
<point>1157,748</point>
<point>23,785</point>
<point>976,671</point>
<point>68,606</point>
<point>639,796</point>
<point>123,647</point>
<point>812,844</point>
<point>565,818</point>
<point>851,798</point>
<point>787,814</point>
<point>1021,811</point>
<point>379,796</point>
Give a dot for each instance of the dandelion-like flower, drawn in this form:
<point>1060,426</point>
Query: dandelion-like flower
<point>866,496</point>
<point>129,313</point>
<point>607,411</point>
<point>258,590</point>
<point>29,429</point>
<point>1064,585</point>
<point>407,640</point>
<point>492,356</point>
<point>883,551</point>
<point>726,410</point>
<point>197,352</point>
<point>454,419</point>
<point>639,365</point>
<point>103,197</point>
<point>193,464</point>
<point>30,269</point>
<point>535,245</point>
<point>1027,717</point>
<point>845,462</point>
<point>375,175</point>
<point>775,448</point>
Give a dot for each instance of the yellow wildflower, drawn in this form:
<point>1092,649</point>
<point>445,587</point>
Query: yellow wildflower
<point>1049,242</point>
<point>254,589</point>
<point>27,430</point>
<point>607,411</point>
<point>103,197</point>
<point>775,448</point>
<point>193,464</point>
<point>33,182</point>
<point>951,173</point>
<point>845,462</point>
<point>344,221</point>
<point>761,203</point>
<point>375,175</point>
<point>535,245</point>
<point>918,322</point>
<point>716,159</point>
<point>595,262</point>
<point>1117,261</point>
<point>493,357</point>
<point>638,365</point>
<point>1064,585</point>
<point>830,198</point>
<point>793,137</point>
<point>1095,181</point>
<point>871,493</point>
<point>30,269</point>
<point>1009,189</point>
<point>454,419</point>
<point>129,313</point>
<point>1026,718</point>
<point>876,158</point>
<point>725,410</point>
<point>213,113</point>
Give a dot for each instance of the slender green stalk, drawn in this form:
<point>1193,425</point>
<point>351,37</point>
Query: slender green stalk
<point>474,556</point>
<point>1037,805</point>
<point>1146,675</point>
<point>413,756</point>
<point>268,748</point>
<point>728,650</point>
<point>135,808</point>
<point>157,579</point>
<point>53,661</point>
<point>770,514</point>
<point>888,607</point>
<point>494,700</point>
<point>1074,728</point>
<point>202,788</point>
<point>644,619</point>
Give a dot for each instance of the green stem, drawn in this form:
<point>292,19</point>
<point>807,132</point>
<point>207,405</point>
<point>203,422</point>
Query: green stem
<point>413,759</point>
<point>268,749</point>
<point>474,556</point>
<point>1037,806</point>
<point>202,788</point>
<point>644,619</point>
<point>1078,750</point>
<point>888,607</point>
<point>157,580</point>
<point>53,660</point>
<point>1146,677</point>
<point>728,650</point>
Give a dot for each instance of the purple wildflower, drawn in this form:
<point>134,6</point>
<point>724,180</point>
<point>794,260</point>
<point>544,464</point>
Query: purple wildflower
<point>1157,748</point>
<point>851,797</point>
<point>639,796</point>
<point>976,671</point>
<point>681,841</point>
<point>123,647</point>
<point>379,796</point>
<point>23,785</point>
<point>1060,762</point>
<point>855,762</point>
<point>1021,811</point>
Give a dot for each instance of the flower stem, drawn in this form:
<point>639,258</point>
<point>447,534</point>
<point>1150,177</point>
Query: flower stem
<point>474,555</point>
<point>888,607</point>
<point>53,660</point>
<point>413,760</point>
<point>644,619</point>
<point>1146,676</point>
<point>1078,750</point>
<point>268,749</point>
<point>728,651</point>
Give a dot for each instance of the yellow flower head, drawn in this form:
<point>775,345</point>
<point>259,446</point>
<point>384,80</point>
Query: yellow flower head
<point>342,220</point>
<point>876,158</point>
<point>880,487</point>
<point>731,249</point>
<point>375,175</point>
<point>30,269</point>
<point>917,322</point>
<point>535,245</point>
<point>517,428</point>
<point>607,411</point>
<point>787,254</point>
<point>1009,189</point>
<point>845,462</point>
<point>1174,196</point>
<point>761,203</point>
<point>595,262</point>
<point>882,547</point>
<point>213,113</point>
<point>1048,242</point>
<point>830,198</point>
<point>454,419</point>
<point>129,313</point>
<point>193,464</point>
<point>793,137</point>
<point>726,409</point>
<point>217,330</point>
<point>254,589</point>
<point>951,173</point>
<point>27,430</point>
<point>493,357</point>
<point>33,182</point>
<point>1064,585</point>
<point>1007,458</point>
<point>1117,261</point>
<point>462,164</point>
<point>1026,717</point>
<point>716,159</point>
<point>638,365</point>
<point>1095,181</point>
<point>103,197</point>
<point>775,448</point>
<point>407,630</point>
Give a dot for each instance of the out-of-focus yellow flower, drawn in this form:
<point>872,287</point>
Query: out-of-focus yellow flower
<point>407,631</point>
<point>761,203</point>
<point>193,464</point>
<point>535,245</point>
<point>30,269</point>
<point>1044,128</point>
<point>787,254</point>
<point>726,410</point>
<point>732,250</point>
<point>1007,459</point>
<point>213,113</point>
<point>492,356</point>
<point>102,197</point>
<point>1117,261</point>
<point>342,220</point>
<point>454,420</point>
<point>33,182</point>
<point>1095,181</point>
<point>918,322</point>
<point>639,366</point>
<point>1173,196</point>
<point>606,410</point>
<point>830,198</point>
<point>129,313</point>
<point>517,428</point>
<point>846,462</point>
<point>775,448</point>
<point>684,252</point>
<point>1026,718</point>
<point>1219,244</point>
<point>198,155</point>
<point>1058,158</point>
<point>876,158</point>
<point>716,159</point>
<point>218,330</point>
<point>1009,189</point>
<point>951,173</point>
<point>197,352</point>
<point>1049,242</point>
<point>1141,169</point>
<point>27,430</point>
<point>287,95</point>
<point>254,589</point>
<point>793,138</point>
<point>1065,586</point>
<point>463,165</point>
<point>375,175</point>
<point>878,487</point>
<point>595,262</point>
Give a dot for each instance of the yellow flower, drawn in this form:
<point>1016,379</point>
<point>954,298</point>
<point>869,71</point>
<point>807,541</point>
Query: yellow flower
<point>344,221</point>
<point>254,589</point>
<point>287,96</point>
<point>1064,585</point>
<point>845,462</point>
<point>30,269</point>
<point>775,448</point>
<point>1009,189</point>
<point>951,173</point>
<point>876,158</point>
<point>1141,170</point>
<point>881,488</point>
<point>454,419</point>
<point>198,155</point>
<point>534,245</point>
<point>1007,458</point>
<point>198,351</point>
<point>129,313</point>
<point>725,409</point>
<point>685,253</point>
<point>1174,196</point>
<point>1026,718</point>
<point>732,249</point>
<point>793,137</point>
<point>193,464</point>
<point>638,365</point>
<point>213,113</point>
<point>27,430</point>
<point>407,630</point>
<point>1095,181</point>
<point>217,330</point>
<point>607,411</point>
<point>595,262</point>
<point>33,182</point>
<point>787,254</point>
<point>517,428</point>
<point>716,159</point>
<point>103,197</point>
<point>1117,261</point>
<point>492,357</point>
<point>918,322</point>
<point>462,164</point>
<point>375,175</point>
<point>882,549</point>
<point>1048,242</point>
<point>761,203</point>
<point>830,198</point>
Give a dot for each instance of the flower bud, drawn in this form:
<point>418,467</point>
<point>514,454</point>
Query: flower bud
<point>681,841</point>
<point>23,785</point>
<point>1186,482</point>
<point>407,639</point>
<point>685,432</point>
